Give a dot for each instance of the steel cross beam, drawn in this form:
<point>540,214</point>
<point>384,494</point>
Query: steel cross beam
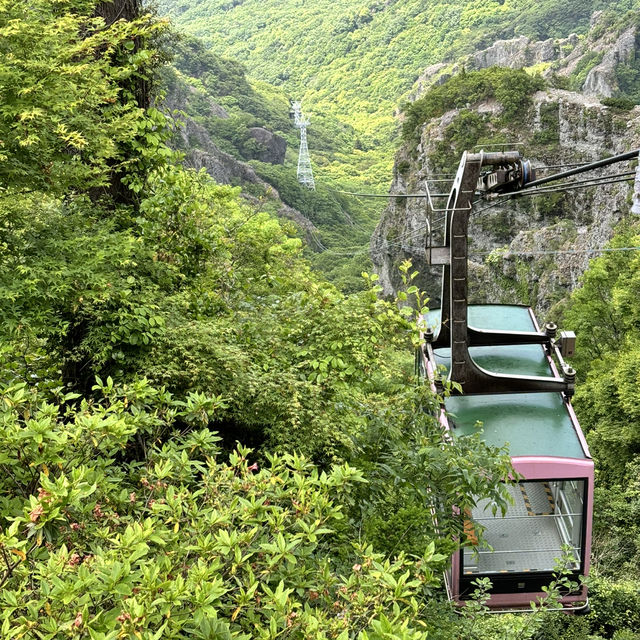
<point>454,329</point>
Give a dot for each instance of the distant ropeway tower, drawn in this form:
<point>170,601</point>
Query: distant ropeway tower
<point>305,173</point>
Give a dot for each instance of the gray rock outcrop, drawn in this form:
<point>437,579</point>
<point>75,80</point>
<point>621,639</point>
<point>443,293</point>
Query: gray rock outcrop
<point>602,80</point>
<point>515,53</point>
<point>509,242</point>
<point>604,50</point>
<point>518,52</point>
<point>202,153</point>
<point>635,208</point>
<point>273,147</point>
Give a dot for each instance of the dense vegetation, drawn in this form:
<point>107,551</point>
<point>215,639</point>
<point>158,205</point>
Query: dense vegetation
<point>146,308</point>
<point>605,313</point>
<point>356,60</point>
<point>201,438</point>
<point>198,77</point>
<point>216,95</point>
<point>512,88</point>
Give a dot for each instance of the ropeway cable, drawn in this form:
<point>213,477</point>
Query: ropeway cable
<point>507,253</point>
<point>578,184</point>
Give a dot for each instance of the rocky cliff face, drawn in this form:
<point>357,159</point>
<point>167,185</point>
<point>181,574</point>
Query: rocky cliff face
<point>271,147</point>
<point>591,62</point>
<point>510,242</point>
<point>202,153</point>
<point>602,80</point>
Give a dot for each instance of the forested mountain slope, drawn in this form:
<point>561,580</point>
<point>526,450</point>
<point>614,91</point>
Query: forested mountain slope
<point>354,64</point>
<point>355,60</point>
<point>199,436</point>
<point>241,131</point>
<point>203,94</point>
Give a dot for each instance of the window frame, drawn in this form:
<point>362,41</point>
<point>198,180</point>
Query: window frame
<point>528,581</point>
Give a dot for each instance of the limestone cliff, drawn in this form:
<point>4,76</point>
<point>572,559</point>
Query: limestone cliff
<point>508,240</point>
<point>591,64</point>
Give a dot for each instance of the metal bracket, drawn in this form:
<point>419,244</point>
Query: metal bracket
<point>454,331</point>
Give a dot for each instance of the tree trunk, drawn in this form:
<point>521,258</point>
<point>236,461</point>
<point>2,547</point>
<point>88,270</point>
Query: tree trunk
<point>112,10</point>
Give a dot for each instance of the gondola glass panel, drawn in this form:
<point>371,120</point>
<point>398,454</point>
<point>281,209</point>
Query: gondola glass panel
<point>544,524</point>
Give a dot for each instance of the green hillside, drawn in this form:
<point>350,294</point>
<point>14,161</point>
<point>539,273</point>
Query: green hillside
<point>199,77</point>
<point>355,60</point>
<point>199,436</point>
<point>215,94</point>
<point>353,64</point>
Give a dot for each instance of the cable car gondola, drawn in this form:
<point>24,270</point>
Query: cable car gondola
<point>514,381</point>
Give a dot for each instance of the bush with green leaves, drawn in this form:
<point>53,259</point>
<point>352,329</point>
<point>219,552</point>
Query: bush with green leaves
<point>99,539</point>
<point>322,206</point>
<point>70,275</point>
<point>619,104</point>
<point>467,130</point>
<point>412,472</point>
<point>616,531</point>
<point>200,293</point>
<point>605,315</point>
<point>615,606</point>
<point>511,87</point>
<point>72,128</point>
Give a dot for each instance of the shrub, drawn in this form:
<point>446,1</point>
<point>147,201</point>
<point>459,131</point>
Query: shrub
<point>620,103</point>
<point>560,626</point>
<point>178,544</point>
<point>512,88</point>
<point>615,605</point>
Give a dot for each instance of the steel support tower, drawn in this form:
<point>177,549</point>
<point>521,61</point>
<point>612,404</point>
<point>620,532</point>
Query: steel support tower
<point>305,173</point>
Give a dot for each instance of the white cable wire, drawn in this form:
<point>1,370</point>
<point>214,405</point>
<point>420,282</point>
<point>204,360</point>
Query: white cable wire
<point>507,253</point>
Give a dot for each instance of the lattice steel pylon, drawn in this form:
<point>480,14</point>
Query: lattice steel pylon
<point>305,173</point>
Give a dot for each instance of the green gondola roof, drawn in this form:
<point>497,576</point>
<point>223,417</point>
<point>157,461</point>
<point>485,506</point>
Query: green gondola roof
<point>530,423</point>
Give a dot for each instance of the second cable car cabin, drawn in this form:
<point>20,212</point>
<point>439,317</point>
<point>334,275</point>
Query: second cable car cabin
<point>515,382</point>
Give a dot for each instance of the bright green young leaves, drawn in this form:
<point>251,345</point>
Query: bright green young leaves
<point>180,544</point>
<point>66,120</point>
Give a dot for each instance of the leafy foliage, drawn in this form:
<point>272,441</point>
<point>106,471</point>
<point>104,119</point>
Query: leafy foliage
<point>605,314</point>
<point>322,206</point>
<point>616,607</point>
<point>133,333</point>
<point>511,87</point>
<point>177,543</point>
<point>616,529</point>
<point>71,128</point>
